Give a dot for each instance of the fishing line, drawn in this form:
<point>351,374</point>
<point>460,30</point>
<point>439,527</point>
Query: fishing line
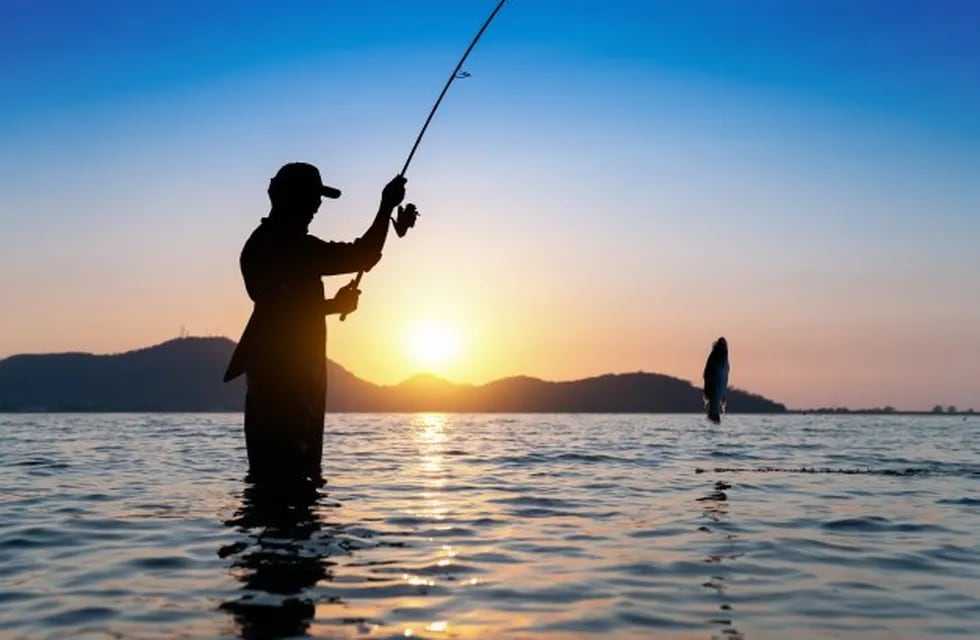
<point>402,225</point>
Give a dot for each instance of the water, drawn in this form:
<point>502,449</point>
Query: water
<point>494,526</point>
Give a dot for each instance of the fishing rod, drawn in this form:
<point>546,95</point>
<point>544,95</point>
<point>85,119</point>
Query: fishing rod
<point>402,225</point>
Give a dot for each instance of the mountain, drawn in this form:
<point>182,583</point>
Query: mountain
<point>185,375</point>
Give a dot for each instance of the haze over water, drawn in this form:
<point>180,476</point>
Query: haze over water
<point>495,526</point>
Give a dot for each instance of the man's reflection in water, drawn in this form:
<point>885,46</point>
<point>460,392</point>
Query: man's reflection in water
<point>281,555</point>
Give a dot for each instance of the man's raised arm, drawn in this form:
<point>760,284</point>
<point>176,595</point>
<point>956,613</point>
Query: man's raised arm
<point>333,258</point>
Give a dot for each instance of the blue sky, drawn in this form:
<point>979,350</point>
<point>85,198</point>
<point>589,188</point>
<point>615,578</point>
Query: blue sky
<point>619,183</point>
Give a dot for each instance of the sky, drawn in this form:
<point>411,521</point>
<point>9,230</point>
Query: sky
<point>614,186</point>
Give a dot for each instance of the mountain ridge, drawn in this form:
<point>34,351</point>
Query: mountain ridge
<point>184,374</point>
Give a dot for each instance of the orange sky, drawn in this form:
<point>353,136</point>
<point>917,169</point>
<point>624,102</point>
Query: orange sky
<point>614,206</point>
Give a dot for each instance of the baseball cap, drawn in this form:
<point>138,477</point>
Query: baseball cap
<point>301,176</point>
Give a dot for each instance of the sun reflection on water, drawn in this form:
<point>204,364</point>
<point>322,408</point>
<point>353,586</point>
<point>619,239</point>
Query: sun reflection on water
<point>431,428</point>
<point>431,436</point>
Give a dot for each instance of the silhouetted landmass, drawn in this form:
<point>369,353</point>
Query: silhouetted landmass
<point>178,375</point>
<point>937,410</point>
<point>185,375</point>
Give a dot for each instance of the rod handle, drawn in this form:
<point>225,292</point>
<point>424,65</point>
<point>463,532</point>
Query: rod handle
<point>356,281</point>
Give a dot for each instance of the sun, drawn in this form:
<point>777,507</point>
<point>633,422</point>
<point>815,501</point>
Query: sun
<point>432,345</point>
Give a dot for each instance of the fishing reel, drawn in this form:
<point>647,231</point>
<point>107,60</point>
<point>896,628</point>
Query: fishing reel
<point>405,219</point>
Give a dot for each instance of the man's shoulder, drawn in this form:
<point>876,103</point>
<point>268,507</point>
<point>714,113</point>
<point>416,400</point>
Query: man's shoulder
<point>264,232</point>
<point>259,240</point>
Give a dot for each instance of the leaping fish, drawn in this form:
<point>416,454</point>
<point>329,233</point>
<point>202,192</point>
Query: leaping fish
<point>715,392</point>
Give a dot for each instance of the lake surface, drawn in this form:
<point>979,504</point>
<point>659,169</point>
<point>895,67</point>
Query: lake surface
<point>494,526</point>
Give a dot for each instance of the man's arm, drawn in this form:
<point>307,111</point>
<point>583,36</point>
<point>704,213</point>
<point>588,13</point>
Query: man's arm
<point>334,258</point>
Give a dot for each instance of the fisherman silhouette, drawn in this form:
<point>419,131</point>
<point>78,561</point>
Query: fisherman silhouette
<point>282,351</point>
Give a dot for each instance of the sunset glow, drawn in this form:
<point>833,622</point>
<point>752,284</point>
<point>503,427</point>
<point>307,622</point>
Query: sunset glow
<point>615,186</point>
<point>432,345</point>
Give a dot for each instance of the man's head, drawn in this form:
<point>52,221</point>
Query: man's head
<point>296,189</point>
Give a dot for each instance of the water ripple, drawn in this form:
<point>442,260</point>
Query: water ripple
<point>489,526</point>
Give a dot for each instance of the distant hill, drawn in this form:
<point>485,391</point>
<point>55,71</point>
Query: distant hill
<point>185,375</point>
